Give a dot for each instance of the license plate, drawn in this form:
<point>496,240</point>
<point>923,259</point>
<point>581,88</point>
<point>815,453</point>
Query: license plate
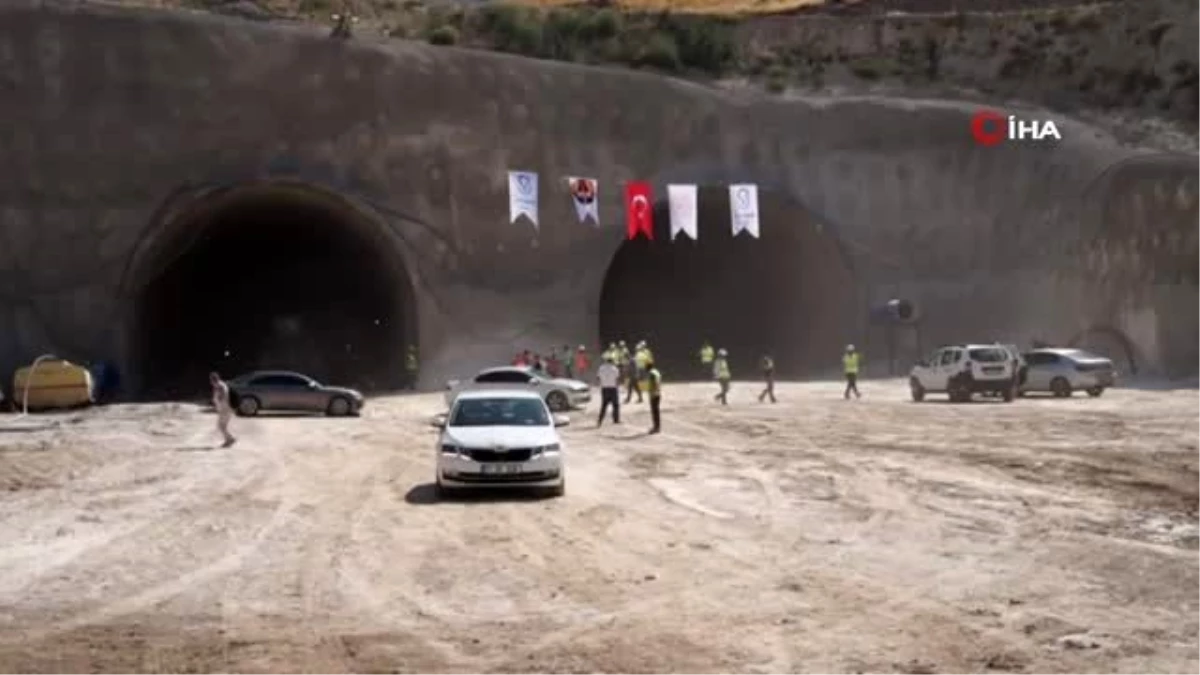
<point>500,469</point>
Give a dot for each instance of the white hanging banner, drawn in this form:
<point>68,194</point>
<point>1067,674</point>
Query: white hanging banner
<point>743,208</point>
<point>585,195</point>
<point>682,200</point>
<point>523,196</point>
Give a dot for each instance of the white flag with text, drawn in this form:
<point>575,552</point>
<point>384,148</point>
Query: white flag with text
<point>682,201</point>
<point>523,196</point>
<point>743,208</point>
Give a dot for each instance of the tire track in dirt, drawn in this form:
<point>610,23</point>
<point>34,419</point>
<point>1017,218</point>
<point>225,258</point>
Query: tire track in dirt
<point>167,590</point>
<point>168,500</point>
<point>375,496</point>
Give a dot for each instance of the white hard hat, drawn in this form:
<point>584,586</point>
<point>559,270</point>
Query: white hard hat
<point>849,348</point>
<point>722,352</point>
<point>581,348</point>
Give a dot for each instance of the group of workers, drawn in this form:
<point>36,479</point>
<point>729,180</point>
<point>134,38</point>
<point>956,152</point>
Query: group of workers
<point>557,364</point>
<point>636,369</point>
<point>717,361</point>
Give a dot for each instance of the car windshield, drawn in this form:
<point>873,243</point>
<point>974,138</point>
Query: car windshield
<point>500,412</point>
<point>989,355</point>
<point>1080,354</point>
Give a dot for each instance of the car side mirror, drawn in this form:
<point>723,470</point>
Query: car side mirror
<point>562,421</point>
<point>535,380</point>
<point>438,421</point>
<point>312,385</point>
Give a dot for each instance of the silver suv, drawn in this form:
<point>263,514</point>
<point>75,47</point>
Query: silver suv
<point>962,370</point>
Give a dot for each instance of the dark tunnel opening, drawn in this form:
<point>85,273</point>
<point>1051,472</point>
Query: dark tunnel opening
<point>790,293</point>
<point>274,278</point>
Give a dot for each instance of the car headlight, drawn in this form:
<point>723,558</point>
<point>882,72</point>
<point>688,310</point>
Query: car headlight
<point>543,449</point>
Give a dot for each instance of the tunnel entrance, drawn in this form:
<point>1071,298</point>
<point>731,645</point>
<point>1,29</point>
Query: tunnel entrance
<point>273,277</point>
<point>789,293</point>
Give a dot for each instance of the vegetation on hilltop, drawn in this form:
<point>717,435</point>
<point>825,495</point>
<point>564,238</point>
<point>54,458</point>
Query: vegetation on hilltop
<point>1131,56</point>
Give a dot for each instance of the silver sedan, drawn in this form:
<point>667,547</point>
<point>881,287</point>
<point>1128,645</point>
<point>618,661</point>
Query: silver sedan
<point>1062,372</point>
<point>283,390</point>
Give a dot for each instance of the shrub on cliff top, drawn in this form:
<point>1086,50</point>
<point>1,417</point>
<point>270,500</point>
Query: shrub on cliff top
<point>667,41</point>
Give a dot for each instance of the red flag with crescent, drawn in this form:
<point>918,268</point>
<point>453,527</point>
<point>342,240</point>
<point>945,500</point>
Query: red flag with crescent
<point>638,211</point>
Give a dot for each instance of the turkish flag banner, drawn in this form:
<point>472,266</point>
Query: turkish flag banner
<point>638,211</point>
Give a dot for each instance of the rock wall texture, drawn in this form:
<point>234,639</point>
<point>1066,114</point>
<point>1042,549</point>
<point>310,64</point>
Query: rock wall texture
<point>115,120</point>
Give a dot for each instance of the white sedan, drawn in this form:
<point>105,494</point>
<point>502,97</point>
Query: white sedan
<point>500,438</point>
<point>560,394</point>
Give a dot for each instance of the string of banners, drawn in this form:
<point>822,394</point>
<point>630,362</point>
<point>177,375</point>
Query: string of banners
<point>639,212</point>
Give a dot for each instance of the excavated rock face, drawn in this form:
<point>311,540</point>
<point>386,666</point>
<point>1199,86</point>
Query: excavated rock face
<point>188,186</point>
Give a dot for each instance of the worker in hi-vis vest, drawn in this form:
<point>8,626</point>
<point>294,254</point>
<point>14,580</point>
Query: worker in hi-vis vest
<point>850,363</point>
<point>706,357</point>
<point>722,375</point>
<point>410,367</point>
<point>654,391</point>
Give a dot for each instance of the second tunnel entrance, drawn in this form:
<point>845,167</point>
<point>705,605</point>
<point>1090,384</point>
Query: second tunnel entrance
<point>789,294</point>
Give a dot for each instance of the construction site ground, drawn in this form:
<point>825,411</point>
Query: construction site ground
<point>816,534</point>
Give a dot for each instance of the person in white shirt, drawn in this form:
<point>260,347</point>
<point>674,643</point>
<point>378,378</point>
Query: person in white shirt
<point>220,401</point>
<point>609,377</point>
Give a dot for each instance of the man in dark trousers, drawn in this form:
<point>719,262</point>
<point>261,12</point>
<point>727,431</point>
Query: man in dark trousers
<point>654,389</point>
<point>609,378</point>
<point>850,364</point>
<point>633,376</point>
<point>768,370</point>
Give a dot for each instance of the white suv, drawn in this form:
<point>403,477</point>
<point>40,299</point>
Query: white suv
<point>500,438</point>
<point>963,370</point>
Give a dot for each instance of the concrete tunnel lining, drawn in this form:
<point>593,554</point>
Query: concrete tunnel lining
<point>264,276</point>
<point>789,293</point>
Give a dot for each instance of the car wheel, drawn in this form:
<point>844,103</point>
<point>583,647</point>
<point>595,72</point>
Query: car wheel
<point>1095,391</point>
<point>557,401</point>
<point>557,491</point>
<point>918,392</point>
<point>338,407</point>
<point>1060,387</point>
<point>248,406</point>
<point>958,391</point>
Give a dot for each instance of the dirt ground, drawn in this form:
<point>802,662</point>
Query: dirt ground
<point>812,535</point>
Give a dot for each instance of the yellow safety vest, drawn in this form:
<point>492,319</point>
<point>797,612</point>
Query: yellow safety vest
<point>642,358</point>
<point>655,382</point>
<point>723,369</point>
<point>706,355</point>
<point>768,363</point>
<point>410,360</point>
<point>850,363</point>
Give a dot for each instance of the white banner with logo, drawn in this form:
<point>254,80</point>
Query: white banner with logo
<point>585,195</point>
<point>523,196</point>
<point>743,208</point>
<point>682,200</point>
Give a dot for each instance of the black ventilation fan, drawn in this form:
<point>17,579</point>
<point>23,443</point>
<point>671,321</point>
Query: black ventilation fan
<point>896,310</point>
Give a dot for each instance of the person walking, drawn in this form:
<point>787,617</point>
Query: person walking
<point>220,401</point>
<point>609,378</point>
<point>633,376</point>
<point>722,375</point>
<point>850,364</point>
<point>410,367</point>
<point>654,389</point>
<point>706,358</point>
<point>768,371</point>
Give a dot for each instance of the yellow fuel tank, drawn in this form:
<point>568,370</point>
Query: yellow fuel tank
<point>55,384</point>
